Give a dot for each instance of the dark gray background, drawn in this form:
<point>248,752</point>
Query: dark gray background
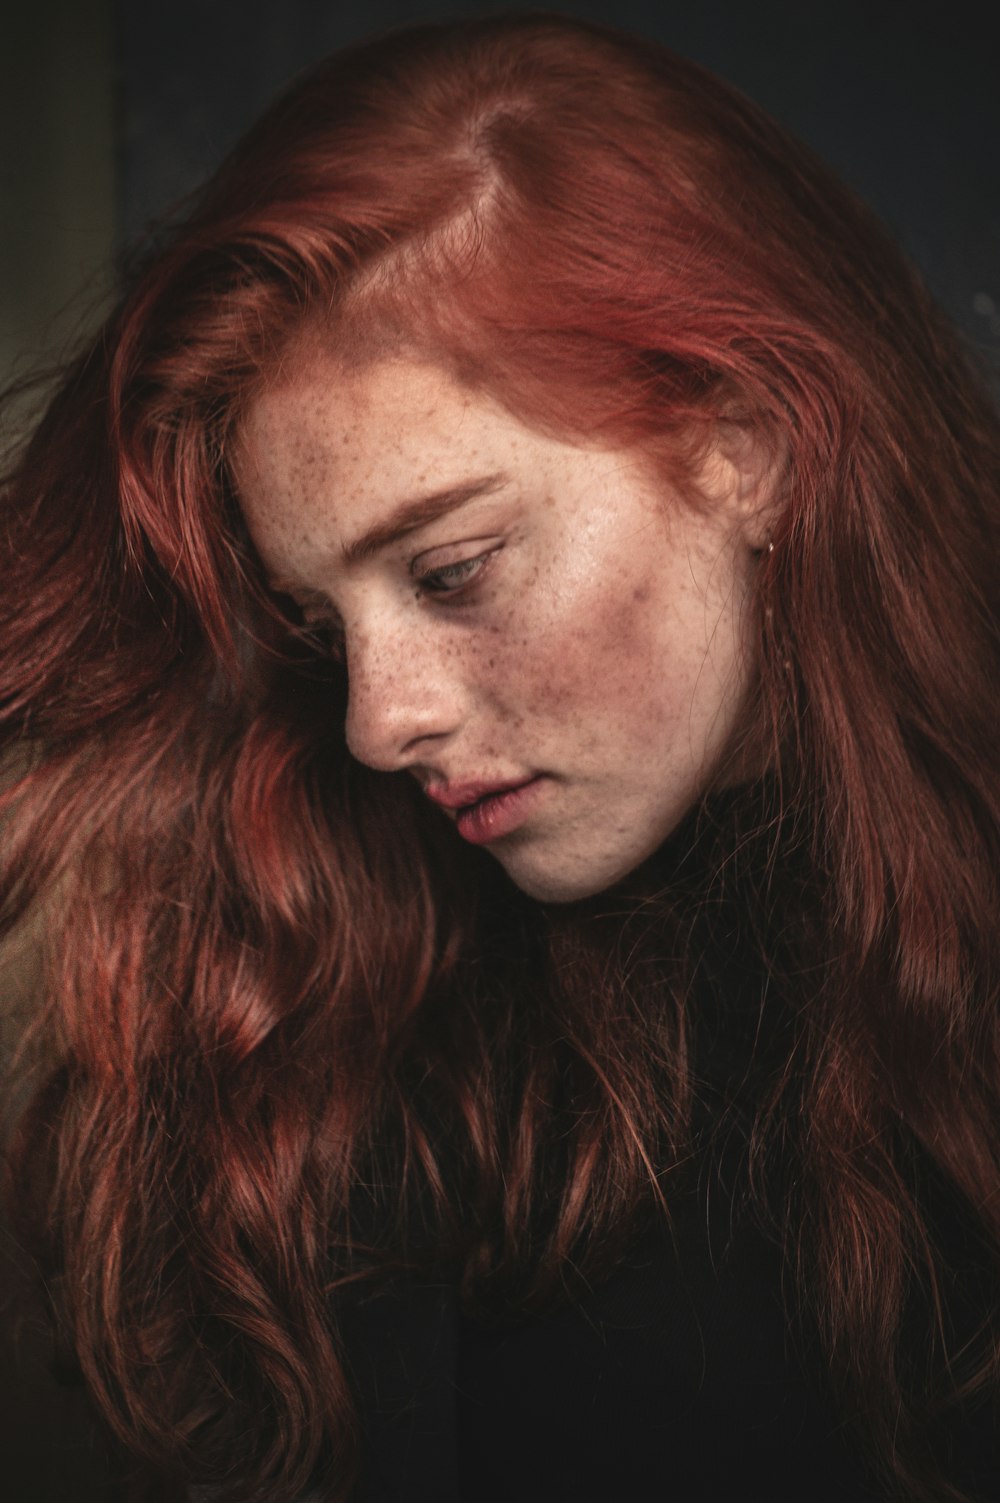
<point>902,99</point>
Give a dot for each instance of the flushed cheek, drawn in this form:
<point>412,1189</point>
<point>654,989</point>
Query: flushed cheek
<point>612,649</point>
<point>592,681</point>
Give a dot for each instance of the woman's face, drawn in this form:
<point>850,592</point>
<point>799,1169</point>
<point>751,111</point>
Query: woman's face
<point>541,632</point>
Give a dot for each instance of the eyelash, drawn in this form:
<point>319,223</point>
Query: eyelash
<point>328,633</point>
<point>463,572</point>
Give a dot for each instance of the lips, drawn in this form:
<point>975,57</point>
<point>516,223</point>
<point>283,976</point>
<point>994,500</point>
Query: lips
<point>487,811</point>
<point>463,795</point>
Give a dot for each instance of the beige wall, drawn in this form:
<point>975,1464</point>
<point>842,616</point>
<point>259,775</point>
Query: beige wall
<point>57,177</point>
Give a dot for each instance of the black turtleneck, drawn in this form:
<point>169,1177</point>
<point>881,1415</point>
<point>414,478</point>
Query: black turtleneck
<point>679,1376</point>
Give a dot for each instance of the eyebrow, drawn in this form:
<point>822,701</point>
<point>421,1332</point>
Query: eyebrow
<point>411,515</point>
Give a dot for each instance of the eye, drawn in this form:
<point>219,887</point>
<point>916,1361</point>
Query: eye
<point>451,579</point>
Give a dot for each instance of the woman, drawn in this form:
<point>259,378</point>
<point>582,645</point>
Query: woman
<point>520,425</point>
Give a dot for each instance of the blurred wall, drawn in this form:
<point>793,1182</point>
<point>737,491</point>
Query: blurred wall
<point>58,90</point>
<point>58,107</point>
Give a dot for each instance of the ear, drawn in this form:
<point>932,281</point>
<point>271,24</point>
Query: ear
<point>744,473</point>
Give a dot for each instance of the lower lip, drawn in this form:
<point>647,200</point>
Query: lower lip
<point>500,814</point>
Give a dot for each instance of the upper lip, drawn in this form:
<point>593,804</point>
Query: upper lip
<point>461,795</point>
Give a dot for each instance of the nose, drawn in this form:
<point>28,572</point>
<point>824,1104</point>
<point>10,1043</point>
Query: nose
<point>404,698</point>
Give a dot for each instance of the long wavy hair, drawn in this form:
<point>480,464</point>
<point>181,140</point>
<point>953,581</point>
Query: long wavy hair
<point>292,1038</point>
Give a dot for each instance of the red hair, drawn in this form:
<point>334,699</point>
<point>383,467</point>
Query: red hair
<point>612,242</point>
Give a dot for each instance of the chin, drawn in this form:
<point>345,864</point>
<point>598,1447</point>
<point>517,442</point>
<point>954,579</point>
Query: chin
<point>566,885</point>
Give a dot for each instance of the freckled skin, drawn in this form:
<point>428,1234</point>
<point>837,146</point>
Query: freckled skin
<point>598,641</point>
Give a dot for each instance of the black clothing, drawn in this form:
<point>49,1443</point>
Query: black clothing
<point>672,1380</point>
<point>678,1378</point>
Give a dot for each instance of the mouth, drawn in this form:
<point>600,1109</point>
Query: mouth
<point>485,813</point>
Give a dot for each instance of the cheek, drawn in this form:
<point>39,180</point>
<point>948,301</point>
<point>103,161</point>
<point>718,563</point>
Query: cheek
<point>598,665</point>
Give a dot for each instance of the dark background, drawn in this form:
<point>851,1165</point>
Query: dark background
<point>110,113</point>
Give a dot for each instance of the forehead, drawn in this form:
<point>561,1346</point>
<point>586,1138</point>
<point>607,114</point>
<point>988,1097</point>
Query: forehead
<point>330,449</point>
<point>323,410</point>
